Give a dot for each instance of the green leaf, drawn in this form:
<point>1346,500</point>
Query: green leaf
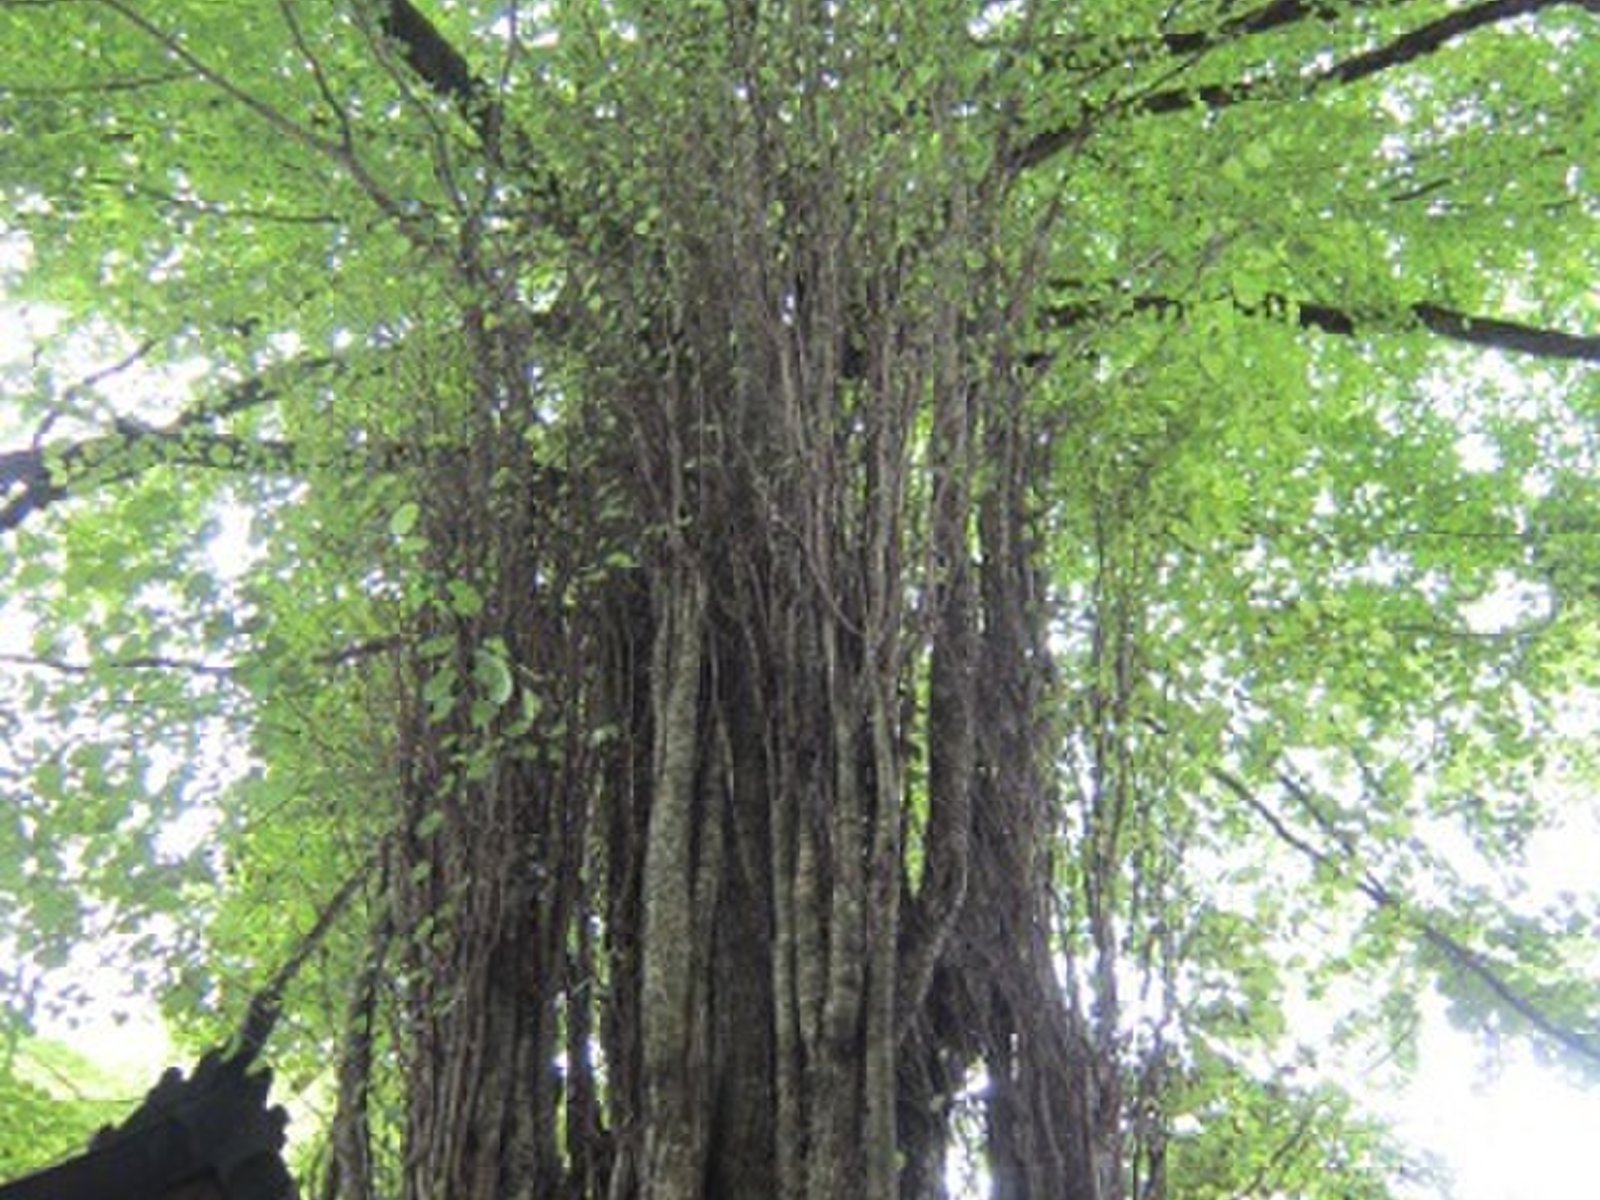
<point>404,519</point>
<point>493,674</point>
<point>465,600</point>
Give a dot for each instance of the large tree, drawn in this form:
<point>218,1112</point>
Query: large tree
<point>828,591</point>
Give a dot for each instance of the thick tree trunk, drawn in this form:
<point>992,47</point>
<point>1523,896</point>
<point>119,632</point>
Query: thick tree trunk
<point>682,866</point>
<point>760,886</point>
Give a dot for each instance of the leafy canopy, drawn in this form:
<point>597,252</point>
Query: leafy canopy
<point>1299,299</point>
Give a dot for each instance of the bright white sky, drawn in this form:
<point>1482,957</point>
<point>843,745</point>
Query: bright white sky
<point>1515,1129</point>
<point>1524,1134</point>
<point>1521,1134</point>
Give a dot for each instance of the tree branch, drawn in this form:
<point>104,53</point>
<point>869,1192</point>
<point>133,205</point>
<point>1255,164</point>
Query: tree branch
<point>1491,333</point>
<point>145,662</point>
<point>442,67</point>
<point>99,87</point>
<point>1508,335</point>
<point>1432,37</point>
<point>1192,43</point>
<point>332,149</point>
<point>1459,955</point>
<point>430,54</point>
<point>38,476</point>
<point>341,657</point>
<point>1274,15</point>
<point>1405,49</point>
<point>266,1006</point>
<point>449,75</point>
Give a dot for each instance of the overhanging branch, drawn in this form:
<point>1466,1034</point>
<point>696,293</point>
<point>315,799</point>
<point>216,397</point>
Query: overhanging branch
<point>1405,49</point>
<point>197,668</point>
<point>35,477</point>
<point>1435,35</point>
<point>1088,57</point>
<point>441,66</point>
<point>1345,864</point>
<point>434,60</point>
<point>1492,333</point>
<point>429,53</point>
<point>1508,335</point>
<point>1455,952</point>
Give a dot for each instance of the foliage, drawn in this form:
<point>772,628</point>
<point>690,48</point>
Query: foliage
<point>45,1089</point>
<point>782,559</point>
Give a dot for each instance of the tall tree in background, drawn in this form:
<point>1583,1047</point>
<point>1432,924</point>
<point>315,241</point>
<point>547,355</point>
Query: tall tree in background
<point>863,587</point>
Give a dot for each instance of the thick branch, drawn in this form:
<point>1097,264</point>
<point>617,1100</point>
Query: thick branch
<point>1276,14</point>
<point>1404,50</point>
<point>1508,335</point>
<point>36,477</point>
<point>441,66</point>
<point>1488,332</point>
<point>430,54</point>
<point>1432,37</point>
<point>1190,44</point>
<point>1407,48</point>
<point>448,74</point>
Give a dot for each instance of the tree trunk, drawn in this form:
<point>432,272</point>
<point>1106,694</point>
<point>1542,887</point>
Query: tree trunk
<point>775,612</point>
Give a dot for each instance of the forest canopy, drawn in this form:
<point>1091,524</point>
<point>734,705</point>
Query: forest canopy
<point>714,598</point>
